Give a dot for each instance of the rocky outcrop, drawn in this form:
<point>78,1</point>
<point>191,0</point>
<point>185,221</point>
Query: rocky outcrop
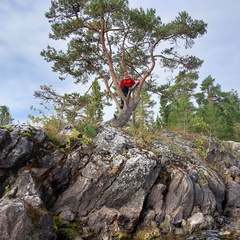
<point>114,189</point>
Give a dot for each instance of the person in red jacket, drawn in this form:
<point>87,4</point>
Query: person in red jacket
<point>125,84</point>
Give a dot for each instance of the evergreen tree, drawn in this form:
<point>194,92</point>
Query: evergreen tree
<point>95,106</point>
<point>181,113</point>
<point>213,118</point>
<point>230,111</point>
<point>5,116</point>
<point>217,114</point>
<point>166,97</point>
<point>73,107</point>
<point>106,37</point>
<point>208,100</point>
<point>220,110</point>
<point>144,113</point>
<point>180,108</point>
<point>210,93</point>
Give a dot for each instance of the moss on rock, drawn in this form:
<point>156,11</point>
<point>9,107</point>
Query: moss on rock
<point>147,233</point>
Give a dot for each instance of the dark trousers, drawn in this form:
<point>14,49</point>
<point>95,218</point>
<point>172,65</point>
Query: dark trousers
<point>125,92</point>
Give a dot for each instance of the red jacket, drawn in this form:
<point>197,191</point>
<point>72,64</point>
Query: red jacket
<point>129,82</point>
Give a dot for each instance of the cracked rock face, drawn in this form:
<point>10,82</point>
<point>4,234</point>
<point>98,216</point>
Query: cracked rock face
<point>17,146</point>
<point>113,188</point>
<point>106,186</point>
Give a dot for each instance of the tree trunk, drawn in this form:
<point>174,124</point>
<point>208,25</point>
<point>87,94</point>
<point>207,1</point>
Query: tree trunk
<point>122,118</point>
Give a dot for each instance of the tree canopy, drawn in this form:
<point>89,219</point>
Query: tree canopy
<point>104,38</point>
<point>5,116</point>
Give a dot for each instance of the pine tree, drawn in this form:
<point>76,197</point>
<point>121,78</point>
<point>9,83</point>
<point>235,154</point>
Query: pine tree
<point>166,97</point>
<point>105,38</point>
<point>218,109</point>
<point>210,92</point>
<point>230,111</point>
<point>178,106</point>
<point>5,116</point>
<point>95,104</point>
<point>144,113</point>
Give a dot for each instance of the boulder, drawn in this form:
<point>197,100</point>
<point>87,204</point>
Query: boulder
<point>180,196</point>
<point>199,221</point>
<point>232,208</point>
<point>18,145</point>
<point>18,221</point>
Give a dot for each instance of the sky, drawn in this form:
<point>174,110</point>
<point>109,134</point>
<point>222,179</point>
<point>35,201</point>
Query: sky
<point>24,34</point>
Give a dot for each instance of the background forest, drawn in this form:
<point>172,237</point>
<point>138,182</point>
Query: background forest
<point>184,106</point>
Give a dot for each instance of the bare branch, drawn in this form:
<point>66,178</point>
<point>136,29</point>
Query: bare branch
<point>48,94</point>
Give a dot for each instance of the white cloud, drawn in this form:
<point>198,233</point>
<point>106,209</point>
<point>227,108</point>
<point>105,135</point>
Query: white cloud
<point>24,34</point>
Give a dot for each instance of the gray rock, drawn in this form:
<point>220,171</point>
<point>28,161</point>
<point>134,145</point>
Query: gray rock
<point>233,200</point>
<point>123,192</point>
<point>200,221</point>
<point>113,140</point>
<point>27,189</point>
<point>19,145</point>
<point>196,222</point>
<point>180,194</point>
<point>114,188</point>
<point>155,204</point>
<point>20,221</point>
